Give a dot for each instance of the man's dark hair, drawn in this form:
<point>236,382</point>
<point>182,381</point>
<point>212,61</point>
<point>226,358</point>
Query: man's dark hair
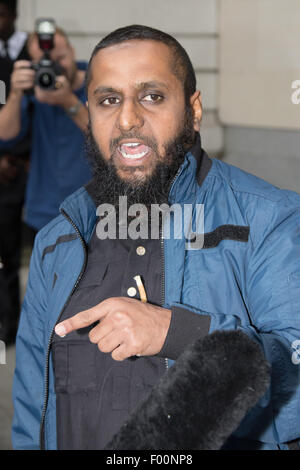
<point>181,63</point>
<point>11,5</point>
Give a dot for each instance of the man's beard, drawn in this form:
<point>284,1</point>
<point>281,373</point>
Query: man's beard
<point>153,189</point>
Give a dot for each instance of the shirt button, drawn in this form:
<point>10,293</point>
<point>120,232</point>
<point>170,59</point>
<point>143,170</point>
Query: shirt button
<point>141,250</point>
<point>131,291</point>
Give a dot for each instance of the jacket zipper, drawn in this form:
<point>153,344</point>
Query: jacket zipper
<point>163,277</point>
<point>46,379</point>
<point>163,284</point>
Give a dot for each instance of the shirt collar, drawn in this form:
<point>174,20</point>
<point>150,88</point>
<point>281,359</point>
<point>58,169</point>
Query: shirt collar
<point>15,44</point>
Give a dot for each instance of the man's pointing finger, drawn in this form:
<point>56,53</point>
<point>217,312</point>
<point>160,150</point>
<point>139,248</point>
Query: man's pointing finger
<point>80,320</point>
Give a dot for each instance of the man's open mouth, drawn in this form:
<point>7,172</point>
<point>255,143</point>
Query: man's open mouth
<point>133,150</point>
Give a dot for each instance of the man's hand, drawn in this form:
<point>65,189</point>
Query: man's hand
<point>61,96</point>
<point>127,327</point>
<point>22,77</point>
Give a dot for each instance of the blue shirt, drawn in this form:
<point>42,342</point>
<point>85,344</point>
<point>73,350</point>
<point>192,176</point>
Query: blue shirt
<point>58,165</point>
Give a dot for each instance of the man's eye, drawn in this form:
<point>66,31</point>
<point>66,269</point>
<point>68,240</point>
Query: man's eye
<point>109,101</point>
<point>153,98</point>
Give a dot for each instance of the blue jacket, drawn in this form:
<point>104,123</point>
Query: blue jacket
<point>58,164</point>
<point>249,283</point>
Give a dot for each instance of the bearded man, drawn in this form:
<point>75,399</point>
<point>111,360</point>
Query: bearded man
<point>89,347</point>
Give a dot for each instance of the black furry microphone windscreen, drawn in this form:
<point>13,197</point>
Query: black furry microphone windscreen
<point>202,398</point>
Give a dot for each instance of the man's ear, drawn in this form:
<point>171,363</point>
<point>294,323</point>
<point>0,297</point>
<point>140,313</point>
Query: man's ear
<point>87,104</point>
<point>196,104</point>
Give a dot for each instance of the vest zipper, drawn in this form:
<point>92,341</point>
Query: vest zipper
<point>46,377</point>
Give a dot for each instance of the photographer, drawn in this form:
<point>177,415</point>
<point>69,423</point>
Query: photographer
<point>57,118</point>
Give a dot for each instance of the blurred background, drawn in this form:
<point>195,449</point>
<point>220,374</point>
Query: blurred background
<point>247,59</point>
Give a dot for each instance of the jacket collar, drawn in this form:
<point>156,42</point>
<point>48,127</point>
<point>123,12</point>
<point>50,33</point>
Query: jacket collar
<point>81,209</point>
<point>191,174</point>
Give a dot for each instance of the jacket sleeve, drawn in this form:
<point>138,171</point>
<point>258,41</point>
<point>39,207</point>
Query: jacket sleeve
<point>273,300</point>
<point>30,359</point>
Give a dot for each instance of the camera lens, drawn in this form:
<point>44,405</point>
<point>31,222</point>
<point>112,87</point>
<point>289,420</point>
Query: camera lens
<point>46,80</point>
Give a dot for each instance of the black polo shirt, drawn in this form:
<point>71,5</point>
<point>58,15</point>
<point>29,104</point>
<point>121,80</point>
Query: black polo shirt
<point>95,393</point>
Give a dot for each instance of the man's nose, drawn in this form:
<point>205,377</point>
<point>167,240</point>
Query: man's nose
<point>130,115</point>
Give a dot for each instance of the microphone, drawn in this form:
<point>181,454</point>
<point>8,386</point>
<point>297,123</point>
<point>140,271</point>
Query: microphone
<point>202,398</point>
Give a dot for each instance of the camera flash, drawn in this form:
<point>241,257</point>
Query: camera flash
<point>45,26</point>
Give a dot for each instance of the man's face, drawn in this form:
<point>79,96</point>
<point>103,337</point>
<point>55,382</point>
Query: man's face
<point>62,53</point>
<point>136,107</point>
<point>7,20</point>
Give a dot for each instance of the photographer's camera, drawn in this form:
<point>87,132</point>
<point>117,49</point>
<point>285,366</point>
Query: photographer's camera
<point>46,69</point>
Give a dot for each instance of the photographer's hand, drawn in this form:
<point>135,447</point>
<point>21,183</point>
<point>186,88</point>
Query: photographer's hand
<point>64,97</point>
<point>57,97</point>
<point>22,77</point>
